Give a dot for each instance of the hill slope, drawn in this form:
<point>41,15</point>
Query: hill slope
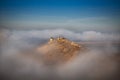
<point>59,50</point>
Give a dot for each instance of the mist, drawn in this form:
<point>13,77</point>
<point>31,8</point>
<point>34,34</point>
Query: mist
<point>19,61</point>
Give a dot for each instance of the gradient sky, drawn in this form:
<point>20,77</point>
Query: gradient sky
<point>78,15</point>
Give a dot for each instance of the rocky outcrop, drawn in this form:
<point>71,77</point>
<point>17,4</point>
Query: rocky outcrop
<point>59,50</point>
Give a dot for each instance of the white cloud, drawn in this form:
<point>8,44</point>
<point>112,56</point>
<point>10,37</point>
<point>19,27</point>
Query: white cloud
<point>46,34</point>
<point>93,64</point>
<point>36,36</point>
<point>28,39</point>
<point>98,36</point>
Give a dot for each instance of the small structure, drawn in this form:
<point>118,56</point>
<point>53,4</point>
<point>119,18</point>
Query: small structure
<point>51,39</point>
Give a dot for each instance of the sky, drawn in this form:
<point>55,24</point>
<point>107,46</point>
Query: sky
<point>76,15</point>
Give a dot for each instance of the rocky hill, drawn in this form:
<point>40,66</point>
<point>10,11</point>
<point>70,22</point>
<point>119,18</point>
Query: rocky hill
<point>59,50</point>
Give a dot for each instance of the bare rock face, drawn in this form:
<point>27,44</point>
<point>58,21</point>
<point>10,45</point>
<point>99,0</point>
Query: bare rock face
<point>59,50</point>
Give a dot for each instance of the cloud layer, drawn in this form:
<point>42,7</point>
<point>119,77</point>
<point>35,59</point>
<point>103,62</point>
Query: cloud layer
<point>46,34</point>
<point>16,39</point>
<point>96,63</point>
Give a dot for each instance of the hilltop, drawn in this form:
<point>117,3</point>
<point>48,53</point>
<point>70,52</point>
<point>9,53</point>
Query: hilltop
<point>59,50</point>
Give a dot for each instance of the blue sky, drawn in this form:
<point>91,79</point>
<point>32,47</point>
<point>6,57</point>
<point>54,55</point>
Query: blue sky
<point>75,8</point>
<point>61,14</point>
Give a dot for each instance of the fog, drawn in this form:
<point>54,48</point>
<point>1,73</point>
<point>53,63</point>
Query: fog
<point>19,61</point>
